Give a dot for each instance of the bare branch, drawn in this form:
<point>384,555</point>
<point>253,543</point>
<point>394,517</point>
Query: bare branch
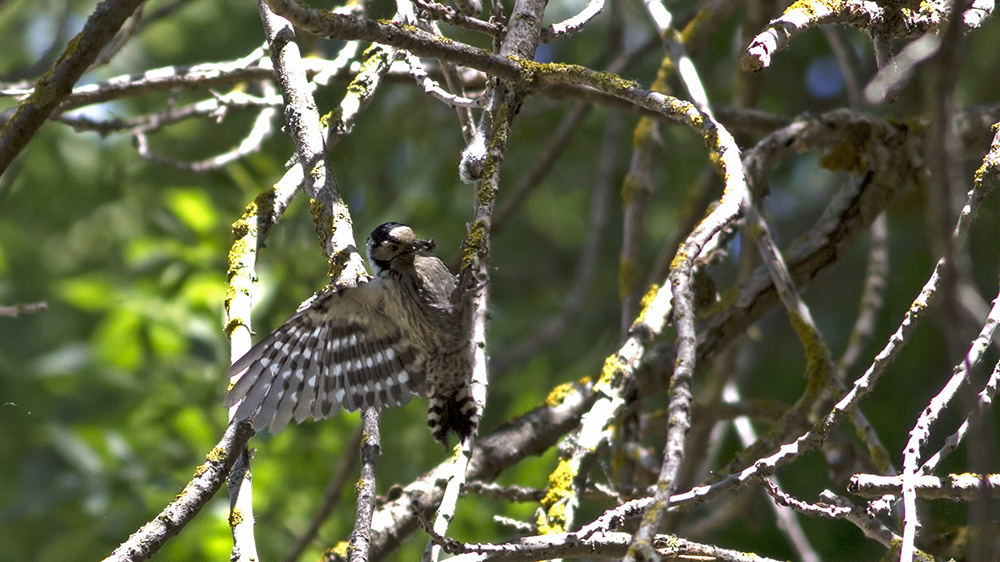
<point>207,480</point>
<point>49,91</point>
<point>574,24</point>
<point>18,310</point>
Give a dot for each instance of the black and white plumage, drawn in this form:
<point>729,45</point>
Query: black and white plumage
<point>376,344</point>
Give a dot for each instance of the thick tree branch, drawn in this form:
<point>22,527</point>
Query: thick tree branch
<point>207,480</point>
<point>106,19</point>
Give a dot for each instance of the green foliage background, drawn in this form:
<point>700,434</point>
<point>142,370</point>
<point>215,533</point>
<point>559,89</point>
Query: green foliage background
<point>111,396</point>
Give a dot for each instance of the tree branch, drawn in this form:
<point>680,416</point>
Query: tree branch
<point>49,91</point>
<point>207,480</point>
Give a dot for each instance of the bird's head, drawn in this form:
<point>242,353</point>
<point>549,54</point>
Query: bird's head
<point>391,242</point>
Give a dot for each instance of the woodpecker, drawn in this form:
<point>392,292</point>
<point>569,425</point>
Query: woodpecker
<point>377,344</point>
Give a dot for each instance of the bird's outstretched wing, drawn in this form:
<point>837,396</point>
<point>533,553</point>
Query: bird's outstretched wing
<point>340,349</point>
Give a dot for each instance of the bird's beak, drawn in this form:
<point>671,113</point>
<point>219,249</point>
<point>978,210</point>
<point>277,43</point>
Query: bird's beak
<point>423,245</point>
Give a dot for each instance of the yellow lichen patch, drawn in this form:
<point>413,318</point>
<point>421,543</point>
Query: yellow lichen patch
<point>553,520</point>
<point>655,510</point>
<point>231,293</point>
<point>216,455</point>
<point>337,263</point>
<point>496,145</point>
<point>357,89</point>
<point>487,188</point>
<point>611,370</point>
<point>242,227</point>
<point>316,209</point>
<point>814,8</point>
<point>474,242</point>
<point>320,214</point>
<point>262,206</point>
<point>317,173</point>
<point>241,247</point>
<point>339,551</point>
<point>324,120</point>
<point>696,120</point>
<point>716,161</point>
<point>231,326</point>
<point>647,300</point>
<point>983,172</point>
<point>710,134</point>
<point>373,57</point>
<point>235,517</point>
<point>244,243</point>
<point>679,259</point>
<point>559,393</point>
<point>572,73</point>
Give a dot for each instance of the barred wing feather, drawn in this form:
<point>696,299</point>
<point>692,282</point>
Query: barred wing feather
<point>341,350</point>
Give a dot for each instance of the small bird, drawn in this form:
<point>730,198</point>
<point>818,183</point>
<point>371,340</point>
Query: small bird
<point>376,344</point>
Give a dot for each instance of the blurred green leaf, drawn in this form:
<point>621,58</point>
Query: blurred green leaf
<point>91,293</point>
<point>193,208</point>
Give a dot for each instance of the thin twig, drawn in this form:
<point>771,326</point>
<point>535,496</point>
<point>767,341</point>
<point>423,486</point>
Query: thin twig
<point>432,88</point>
<point>261,130</point>
<point>574,24</point>
<point>17,310</point>
<point>456,18</point>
